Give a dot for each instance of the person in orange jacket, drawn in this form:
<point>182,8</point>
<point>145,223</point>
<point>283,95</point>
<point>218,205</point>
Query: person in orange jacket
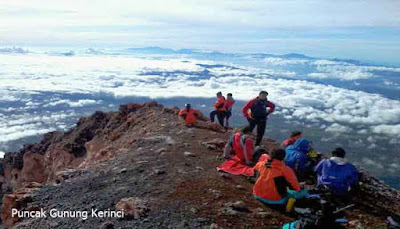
<point>189,115</point>
<point>220,109</point>
<point>276,182</point>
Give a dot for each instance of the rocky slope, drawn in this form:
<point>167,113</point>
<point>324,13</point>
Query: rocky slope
<point>143,160</point>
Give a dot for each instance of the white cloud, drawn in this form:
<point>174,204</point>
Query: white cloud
<point>387,129</point>
<point>329,69</point>
<point>275,26</point>
<point>18,126</point>
<point>171,76</point>
<point>13,50</point>
<point>337,128</point>
<point>79,103</point>
<point>23,132</point>
<point>283,62</point>
<point>373,163</point>
<point>203,12</point>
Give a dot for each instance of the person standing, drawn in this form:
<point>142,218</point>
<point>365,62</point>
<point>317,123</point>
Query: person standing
<point>220,109</point>
<point>229,104</point>
<point>256,113</point>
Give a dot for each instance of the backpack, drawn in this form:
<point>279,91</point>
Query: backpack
<point>259,109</point>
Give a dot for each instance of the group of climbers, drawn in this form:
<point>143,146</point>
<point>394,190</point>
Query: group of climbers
<point>255,111</point>
<point>278,172</point>
<point>223,109</point>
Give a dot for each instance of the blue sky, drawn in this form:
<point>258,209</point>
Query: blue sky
<point>365,30</point>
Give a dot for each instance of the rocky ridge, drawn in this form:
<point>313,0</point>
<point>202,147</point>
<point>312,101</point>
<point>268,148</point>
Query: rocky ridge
<point>143,160</point>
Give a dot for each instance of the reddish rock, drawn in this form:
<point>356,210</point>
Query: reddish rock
<point>18,200</point>
<point>33,170</point>
<point>133,207</point>
<point>9,202</point>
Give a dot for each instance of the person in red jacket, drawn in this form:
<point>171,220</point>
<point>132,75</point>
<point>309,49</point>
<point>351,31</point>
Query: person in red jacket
<point>256,113</point>
<point>243,145</point>
<point>240,156</point>
<point>276,182</point>
<point>229,104</point>
<point>292,139</point>
<point>220,109</point>
<point>189,115</point>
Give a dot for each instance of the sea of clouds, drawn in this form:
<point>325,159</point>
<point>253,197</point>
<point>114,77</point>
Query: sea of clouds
<point>31,84</point>
<point>25,75</point>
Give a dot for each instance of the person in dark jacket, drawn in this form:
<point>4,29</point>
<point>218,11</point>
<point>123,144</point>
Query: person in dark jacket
<point>336,173</point>
<point>256,113</point>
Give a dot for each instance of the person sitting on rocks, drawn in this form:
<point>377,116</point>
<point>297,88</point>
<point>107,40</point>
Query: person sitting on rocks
<point>297,157</point>
<point>336,173</point>
<point>291,140</point>
<point>239,154</point>
<point>276,182</point>
<point>220,109</point>
<point>189,115</point>
<point>193,118</point>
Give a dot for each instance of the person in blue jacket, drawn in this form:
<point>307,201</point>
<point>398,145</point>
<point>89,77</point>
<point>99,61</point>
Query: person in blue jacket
<point>336,173</point>
<point>297,158</point>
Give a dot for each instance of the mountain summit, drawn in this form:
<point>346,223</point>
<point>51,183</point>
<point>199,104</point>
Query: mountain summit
<point>161,173</point>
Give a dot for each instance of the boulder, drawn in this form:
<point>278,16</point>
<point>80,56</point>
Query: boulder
<point>17,200</point>
<point>33,169</point>
<point>189,154</point>
<point>133,207</point>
